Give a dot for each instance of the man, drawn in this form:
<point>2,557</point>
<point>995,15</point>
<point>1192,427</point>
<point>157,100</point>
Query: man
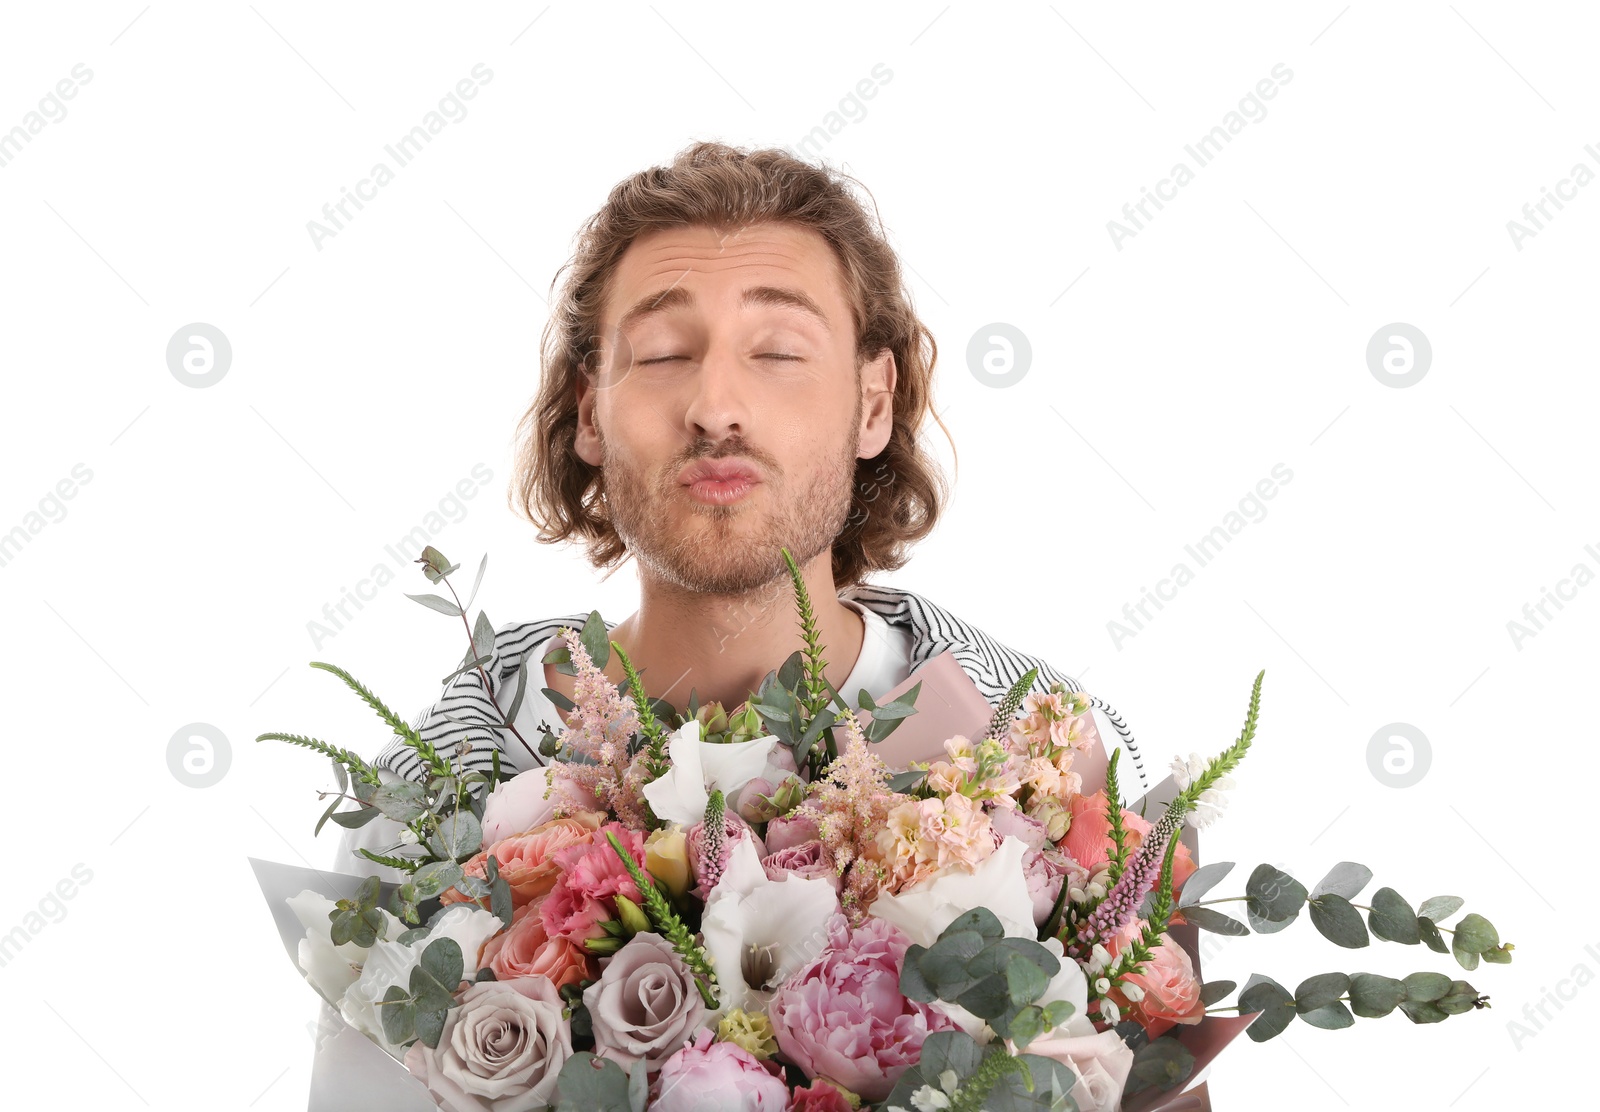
<point>732,367</point>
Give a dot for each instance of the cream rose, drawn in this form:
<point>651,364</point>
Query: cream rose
<point>501,1049</point>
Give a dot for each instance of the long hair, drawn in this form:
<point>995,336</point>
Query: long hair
<point>897,495</point>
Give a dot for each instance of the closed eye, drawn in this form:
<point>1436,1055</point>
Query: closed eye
<point>764,355</point>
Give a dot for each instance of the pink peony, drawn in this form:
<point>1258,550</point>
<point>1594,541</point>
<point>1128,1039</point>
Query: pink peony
<point>1008,821</point>
<point>808,860</point>
<point>528,800</point>
<point>1046,870</point>
<point>708,1076</point>
<point>592,875</point>
<point>792,831</point>
<point>842,1015</point>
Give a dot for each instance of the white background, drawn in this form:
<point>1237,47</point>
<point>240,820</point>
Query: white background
<point>369,377</point>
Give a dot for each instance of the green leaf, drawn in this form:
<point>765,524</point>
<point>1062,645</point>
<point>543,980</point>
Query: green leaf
<point>436,876</point>
<point>1272,1000</point>
<point>1330,1017</point>
<point>399,1016</point>
<point>596,639</point>
<point>401,800</point>
<point>477,581</point>
<point>913,985</point>
<point>1393,919</point>
<point>435,978</point>
<point>1212,991</point>
<point>1475,934</point>
<point>1274,899</point>
<point>459,835</point>
<point>430,1025</point>
<point>1418,1011</point>
<point>1159,1063</point>
<point>1462,997</point>
<point>1430,935</point>
<point>439,603</point>
<point>1373,996</point>
<point>1440,908</point>
<point>1426,987</point>
<point>1208,919</point>
<point>905,781</point>
<point>353,820</point>
<point>1320,991</point>
<point>520,691</point>
<point>1346,879</point>
<point>591,1084</point>
<point>1202,880</point>
<point>1339,922</point>
<point>340,776</point>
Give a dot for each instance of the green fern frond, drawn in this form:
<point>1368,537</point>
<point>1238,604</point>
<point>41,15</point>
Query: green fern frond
<point>400,726</point>
<point>404,864</point>
<point>359,768</point>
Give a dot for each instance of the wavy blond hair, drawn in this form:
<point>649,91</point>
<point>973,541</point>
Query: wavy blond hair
<point>898,494</point>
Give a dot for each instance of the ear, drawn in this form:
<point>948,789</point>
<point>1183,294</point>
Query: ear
<point>877,407</point>
<point>587,441</point>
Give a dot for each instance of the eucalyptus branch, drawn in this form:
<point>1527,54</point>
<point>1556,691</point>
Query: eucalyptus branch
<point>472,653</point>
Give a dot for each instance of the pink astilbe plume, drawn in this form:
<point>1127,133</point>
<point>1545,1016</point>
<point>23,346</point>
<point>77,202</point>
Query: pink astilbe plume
<point>850,804</point>
<point>599,729</point>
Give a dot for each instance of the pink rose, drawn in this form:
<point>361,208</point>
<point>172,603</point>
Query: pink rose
<point>820,1096</point>
<point>842,1015</point>
<point>645,1005</point>
<point>525,951</point>
<point>1088,840</point>
<point>592,876</point>
<point>520,803</point>
<point>1171,990</point>
<point>808,860</point>
<point>529,862</point>
<point>708,1076</point>
<point>1101,1062</point>
<point>791,831</point>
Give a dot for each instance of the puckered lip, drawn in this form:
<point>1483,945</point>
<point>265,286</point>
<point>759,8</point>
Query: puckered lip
<point>721,470</point>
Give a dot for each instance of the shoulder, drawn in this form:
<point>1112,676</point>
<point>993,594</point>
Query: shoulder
<point>993,665</point>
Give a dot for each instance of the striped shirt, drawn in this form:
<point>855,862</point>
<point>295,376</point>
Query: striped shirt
<point>464,711</point>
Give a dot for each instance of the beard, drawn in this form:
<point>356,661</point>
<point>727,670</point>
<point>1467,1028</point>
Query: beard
<point>728,550</point>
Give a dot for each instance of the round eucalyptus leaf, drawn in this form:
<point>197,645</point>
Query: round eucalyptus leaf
<point>1208,919</point>
<point>1346,879</point>
<point>1272,1001</point>
<point>1320,991</point>
<point>1339,922</point>
<point>1373,996</point>
<point>1393,919</point>
<point>1202,880</point>
<point>1430,935</point>
<point>1330,1017</point>
<point>1440,908</point>
<point>1426,987</point>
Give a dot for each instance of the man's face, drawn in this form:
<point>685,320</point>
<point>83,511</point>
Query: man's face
<point>714,354</point>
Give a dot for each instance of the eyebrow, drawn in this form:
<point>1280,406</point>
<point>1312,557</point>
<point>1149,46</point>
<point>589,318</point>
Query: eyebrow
<point>679,297</point>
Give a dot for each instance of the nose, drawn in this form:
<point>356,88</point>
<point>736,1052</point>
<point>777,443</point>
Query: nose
<point>718,406</point>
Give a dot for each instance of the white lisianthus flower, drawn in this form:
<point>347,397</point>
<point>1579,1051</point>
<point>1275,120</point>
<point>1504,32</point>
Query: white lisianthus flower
<point>390,963</point>
<point>754,927</point>
<point>330,969</point>
<point>698,767</point>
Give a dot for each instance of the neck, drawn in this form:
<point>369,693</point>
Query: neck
<point>721,646</point>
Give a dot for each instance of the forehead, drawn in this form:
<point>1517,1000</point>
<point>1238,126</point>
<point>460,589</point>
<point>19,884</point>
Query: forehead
<point>703,263</point>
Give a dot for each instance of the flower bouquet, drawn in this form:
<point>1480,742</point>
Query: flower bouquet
<point>800,904</point>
